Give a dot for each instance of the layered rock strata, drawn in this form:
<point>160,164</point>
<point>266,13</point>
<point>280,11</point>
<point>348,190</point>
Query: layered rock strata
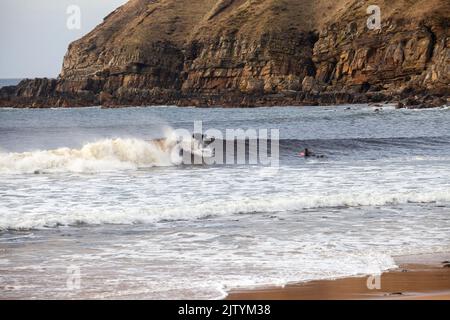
<point>253,53</point>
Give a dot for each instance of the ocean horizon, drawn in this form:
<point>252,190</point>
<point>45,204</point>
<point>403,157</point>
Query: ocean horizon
<point>4,82</point>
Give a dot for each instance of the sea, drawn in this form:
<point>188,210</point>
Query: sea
<point>9,82</point>
<point>92,208</point>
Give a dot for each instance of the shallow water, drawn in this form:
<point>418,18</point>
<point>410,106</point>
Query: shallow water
<point>110,205</point>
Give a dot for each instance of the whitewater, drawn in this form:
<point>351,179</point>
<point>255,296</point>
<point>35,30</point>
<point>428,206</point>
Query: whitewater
<point>99,190</point>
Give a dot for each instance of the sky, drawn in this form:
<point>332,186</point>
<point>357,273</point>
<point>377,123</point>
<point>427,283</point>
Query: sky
<point>34,35</point>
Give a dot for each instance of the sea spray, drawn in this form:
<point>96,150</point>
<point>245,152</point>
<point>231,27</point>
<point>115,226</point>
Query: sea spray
<point>100,156</point>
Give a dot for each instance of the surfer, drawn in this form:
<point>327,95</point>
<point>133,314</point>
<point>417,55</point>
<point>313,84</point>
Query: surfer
<point>203,139</point>
<point>307,154</point>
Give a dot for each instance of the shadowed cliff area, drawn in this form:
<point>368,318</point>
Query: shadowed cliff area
<point>253,53</point>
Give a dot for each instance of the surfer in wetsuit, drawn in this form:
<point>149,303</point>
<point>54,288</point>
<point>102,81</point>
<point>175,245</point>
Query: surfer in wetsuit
<point>203,139</point>
<point>306,153</point>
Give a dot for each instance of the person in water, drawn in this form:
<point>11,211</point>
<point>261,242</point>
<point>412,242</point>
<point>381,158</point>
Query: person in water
<point>307,154</point>
<point>203,139</point>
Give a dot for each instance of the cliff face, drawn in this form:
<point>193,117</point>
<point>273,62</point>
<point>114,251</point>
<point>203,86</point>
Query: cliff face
<point>250,53</point>
<point>411,49</point>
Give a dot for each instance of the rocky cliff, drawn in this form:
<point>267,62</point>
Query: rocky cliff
<point>253,53</point>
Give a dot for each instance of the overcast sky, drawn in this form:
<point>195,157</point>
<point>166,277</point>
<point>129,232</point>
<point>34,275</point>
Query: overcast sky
<point>34,34</point>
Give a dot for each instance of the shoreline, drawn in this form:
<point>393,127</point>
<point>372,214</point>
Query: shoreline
<point>354,106</point>
<point>418,277</point>
<point>42,93</point>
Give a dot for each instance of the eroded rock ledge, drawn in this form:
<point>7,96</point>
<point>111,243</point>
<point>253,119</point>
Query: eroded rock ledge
<point>248,53</point>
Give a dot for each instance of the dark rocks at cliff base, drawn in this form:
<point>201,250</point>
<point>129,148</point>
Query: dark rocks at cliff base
<point>423,102</point>
<point>242,53</point>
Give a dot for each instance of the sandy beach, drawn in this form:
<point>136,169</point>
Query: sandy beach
<point>417,278</point>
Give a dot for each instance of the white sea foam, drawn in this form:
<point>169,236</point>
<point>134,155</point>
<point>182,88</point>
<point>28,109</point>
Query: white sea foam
<point>104,155</point>
<point>100,156</point>
<point>45,216</point>
<point>197,232</point>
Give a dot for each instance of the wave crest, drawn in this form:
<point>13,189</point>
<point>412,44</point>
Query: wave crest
<point>144,213</point>
<point>100,156</point>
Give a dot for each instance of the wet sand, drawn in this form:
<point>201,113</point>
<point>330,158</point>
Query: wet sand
<point>422,278</point>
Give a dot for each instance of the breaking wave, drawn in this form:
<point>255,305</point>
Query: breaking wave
<point>100,156</point>
<point>217,208</point>
<point>132,153</point>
